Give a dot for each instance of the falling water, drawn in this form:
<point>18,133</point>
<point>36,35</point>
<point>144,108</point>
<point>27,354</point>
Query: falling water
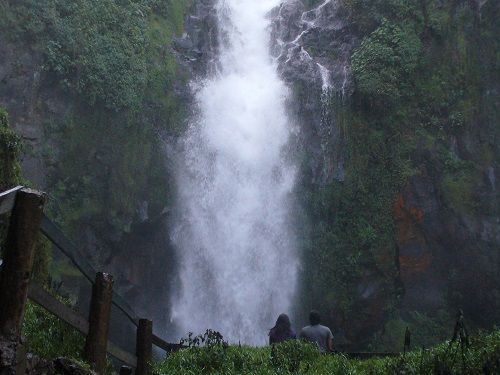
<point>238,263</point>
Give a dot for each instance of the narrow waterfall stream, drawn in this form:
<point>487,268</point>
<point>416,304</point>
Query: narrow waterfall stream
<point>238,262</point>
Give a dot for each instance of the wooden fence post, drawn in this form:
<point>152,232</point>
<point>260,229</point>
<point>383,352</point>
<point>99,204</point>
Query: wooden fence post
<point>144,347</point>
<point>18,260</point>
<point>100,311</point>
<point>15,275</point>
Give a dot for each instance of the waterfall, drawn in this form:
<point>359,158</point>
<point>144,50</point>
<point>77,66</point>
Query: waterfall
<point>237,256</point>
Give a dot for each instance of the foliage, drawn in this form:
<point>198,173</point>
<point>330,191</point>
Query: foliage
<point>48,336</point>
<point>95,49</point>
<point>98,49</point>
<point>288,357</point>
<point>297,357</point>
<point>385,61</point>
<point>111,64</point>
<point>105,52</point>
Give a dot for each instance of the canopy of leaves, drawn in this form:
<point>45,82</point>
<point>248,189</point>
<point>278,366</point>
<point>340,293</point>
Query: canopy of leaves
<point>385,61</point>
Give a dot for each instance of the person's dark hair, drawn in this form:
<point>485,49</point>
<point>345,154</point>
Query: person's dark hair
<point>282,324</point>
<point>314,317</point>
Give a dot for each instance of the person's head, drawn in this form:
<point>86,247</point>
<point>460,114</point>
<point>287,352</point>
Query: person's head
<point>282,323</point>
<point>314,317</point>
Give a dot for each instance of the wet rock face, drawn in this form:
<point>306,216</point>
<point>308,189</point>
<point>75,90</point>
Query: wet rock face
<point>313,49</point>
<point>314,45</point>
<point>197,48</point>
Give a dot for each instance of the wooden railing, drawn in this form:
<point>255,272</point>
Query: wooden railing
<point>27,218</point>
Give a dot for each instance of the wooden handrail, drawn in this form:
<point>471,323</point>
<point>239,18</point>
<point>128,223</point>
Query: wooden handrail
<point>166,346</point>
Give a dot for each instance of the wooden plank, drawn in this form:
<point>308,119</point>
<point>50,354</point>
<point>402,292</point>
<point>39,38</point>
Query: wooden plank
<point>68,248</point>
<point>168,347</point>
<point>40,296</point>
<point>7,200</point>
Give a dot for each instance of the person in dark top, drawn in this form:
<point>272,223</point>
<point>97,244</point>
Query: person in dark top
<point>282,330</point>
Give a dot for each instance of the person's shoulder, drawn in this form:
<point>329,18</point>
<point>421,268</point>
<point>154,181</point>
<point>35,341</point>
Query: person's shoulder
<point>327,330</point>
<point>304,330</point>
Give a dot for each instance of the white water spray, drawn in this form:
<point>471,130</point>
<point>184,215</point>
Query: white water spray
<point>238,265</point>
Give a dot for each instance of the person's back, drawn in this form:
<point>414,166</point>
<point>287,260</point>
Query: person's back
<point>281,331</point>
<point>318,333</point>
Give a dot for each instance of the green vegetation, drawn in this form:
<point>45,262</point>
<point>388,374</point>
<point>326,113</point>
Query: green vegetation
<point>110,64</point>
<point>105,52</point>
<point>296,357</point>
<point>49,337</point>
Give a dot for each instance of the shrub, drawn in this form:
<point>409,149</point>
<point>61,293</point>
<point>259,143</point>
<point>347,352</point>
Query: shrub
<point>383,64</point>
<point>49,337</point>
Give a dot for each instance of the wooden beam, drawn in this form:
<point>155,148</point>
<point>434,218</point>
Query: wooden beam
<point>8,199</point>
<point>100,312</point>
<point>18,260</point>
<point>144,347</point>
<point>40,296</point>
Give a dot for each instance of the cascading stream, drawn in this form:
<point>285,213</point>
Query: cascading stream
<point>238,264</point>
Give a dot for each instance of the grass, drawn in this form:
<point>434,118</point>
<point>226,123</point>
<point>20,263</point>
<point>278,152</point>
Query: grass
<point>296,357</point>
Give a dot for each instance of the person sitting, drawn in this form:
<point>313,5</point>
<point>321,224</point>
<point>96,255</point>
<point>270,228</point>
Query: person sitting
<point>282,330</point>
<point>317,333</point>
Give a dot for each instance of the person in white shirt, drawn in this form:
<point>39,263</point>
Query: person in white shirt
<point>318,333</point>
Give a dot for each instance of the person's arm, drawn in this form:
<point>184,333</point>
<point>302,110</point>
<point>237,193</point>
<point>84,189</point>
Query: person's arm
<point>330,342</point>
